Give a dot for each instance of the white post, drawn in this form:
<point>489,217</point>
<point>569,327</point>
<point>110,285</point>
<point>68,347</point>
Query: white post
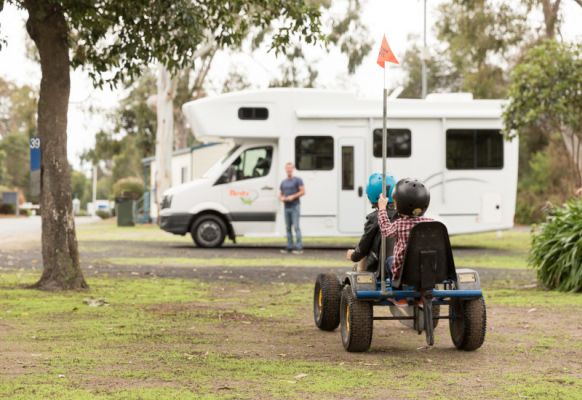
<point>424,56</point>
<point>384,144</point>
<point>94,196</point>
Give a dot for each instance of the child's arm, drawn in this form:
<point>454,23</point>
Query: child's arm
<point>388,229</point>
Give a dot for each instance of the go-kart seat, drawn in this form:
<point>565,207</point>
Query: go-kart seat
<point>428,259</point>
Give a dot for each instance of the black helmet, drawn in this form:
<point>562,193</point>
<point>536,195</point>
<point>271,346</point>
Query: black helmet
<point>411,197</point>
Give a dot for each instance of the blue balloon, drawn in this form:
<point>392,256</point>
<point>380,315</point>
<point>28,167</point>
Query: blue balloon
<point>374,187</point>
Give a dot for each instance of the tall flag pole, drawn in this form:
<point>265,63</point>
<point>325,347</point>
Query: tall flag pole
<point>385,56</point>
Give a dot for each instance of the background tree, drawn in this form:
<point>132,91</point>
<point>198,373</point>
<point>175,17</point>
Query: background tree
<point>477,42</point>
<point>17,125</point>
<point>546,94</point>
<point>113,41</point>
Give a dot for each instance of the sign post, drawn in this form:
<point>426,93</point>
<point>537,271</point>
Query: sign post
<point>385,56</point>
<point>35,166</point>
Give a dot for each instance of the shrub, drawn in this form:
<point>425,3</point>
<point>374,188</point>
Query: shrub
<point>556,251</point>
<point>7,209</point>
<point>103,214</point>
<point>129,188</point>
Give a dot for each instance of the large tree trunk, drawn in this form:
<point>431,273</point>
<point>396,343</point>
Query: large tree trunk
<point>164,133</point>
<point>48,29</point>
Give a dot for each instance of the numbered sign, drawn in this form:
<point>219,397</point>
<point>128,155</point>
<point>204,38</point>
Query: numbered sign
<point>35,166</point>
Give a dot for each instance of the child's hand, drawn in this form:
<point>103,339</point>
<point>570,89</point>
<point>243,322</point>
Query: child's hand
<point>382,202</point>
<point>349,254</point>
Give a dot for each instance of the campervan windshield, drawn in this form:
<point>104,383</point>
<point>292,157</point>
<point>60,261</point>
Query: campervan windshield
<point>219,164</point>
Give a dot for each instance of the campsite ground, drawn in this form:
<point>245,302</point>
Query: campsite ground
<point>166,320</point>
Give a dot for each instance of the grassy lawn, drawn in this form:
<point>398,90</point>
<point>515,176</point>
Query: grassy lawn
<point>507,250</point>
<point>202,338</point>
<point>173,338</point>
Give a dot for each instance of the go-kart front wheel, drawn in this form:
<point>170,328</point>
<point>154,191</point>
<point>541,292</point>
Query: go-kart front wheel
<point>468,323</point>
<point>326,302</point>
<point>357,322</point>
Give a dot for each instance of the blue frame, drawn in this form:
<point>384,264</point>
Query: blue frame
<point>411,293</point>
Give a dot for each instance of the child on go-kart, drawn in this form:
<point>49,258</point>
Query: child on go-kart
<point>366,253</point>
<point>411,198</point>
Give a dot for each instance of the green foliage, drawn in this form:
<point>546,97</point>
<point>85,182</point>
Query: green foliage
<point>113,40</point>
<point>7,209</point>
<point>15,156</point>
<point>103,214</point>
<point>478,38</point>
<point>545,98</point>
<point>131,187</point>
<point>81,187</point>
<point>17,109</point>
<point>547,179</point>
<point>556,252</point>
<point>546,89</point>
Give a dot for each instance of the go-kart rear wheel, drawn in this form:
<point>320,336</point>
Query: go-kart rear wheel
<point>357,322</point>
<point>326,302</point>
<point>468,323</point>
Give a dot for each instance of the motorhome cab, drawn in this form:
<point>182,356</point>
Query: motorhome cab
<point>449,141</point>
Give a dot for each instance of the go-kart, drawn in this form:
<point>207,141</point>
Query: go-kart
<point>428,281</point>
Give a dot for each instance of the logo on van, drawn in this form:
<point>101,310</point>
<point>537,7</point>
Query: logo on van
<point>247,197</point>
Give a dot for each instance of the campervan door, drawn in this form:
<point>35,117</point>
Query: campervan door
<point>331,161</point>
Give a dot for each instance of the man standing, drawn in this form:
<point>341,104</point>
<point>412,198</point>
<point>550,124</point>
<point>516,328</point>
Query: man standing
<point>290,191</point>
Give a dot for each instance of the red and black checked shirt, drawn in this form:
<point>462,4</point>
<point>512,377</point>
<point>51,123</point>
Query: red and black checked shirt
<point>399,229</point>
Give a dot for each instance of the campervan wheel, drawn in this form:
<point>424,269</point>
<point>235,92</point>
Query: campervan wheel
<point>208,231</point>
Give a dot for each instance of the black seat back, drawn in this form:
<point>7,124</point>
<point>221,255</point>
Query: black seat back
<point>429,258</point>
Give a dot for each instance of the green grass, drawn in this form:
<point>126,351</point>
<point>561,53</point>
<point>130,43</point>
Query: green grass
<point>108,231</point>
<point>498,261</point>
<point>228,262</point>
<point>517,241</point>
<point>532,298</point>
<point>178,338</point>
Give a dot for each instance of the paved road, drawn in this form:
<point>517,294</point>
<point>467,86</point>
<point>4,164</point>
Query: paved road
<point>22,230</point>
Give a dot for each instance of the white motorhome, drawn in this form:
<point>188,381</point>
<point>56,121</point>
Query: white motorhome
<point>451,142</point>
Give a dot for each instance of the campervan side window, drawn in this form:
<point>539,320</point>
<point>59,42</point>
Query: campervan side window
<point>260,113</point>
<point>399,143</point>
<point>314,153</point>
<point>252,163</point>
<point>474,149</point>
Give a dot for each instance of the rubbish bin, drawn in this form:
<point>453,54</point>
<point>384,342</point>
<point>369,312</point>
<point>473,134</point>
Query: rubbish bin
<point>124,208</point>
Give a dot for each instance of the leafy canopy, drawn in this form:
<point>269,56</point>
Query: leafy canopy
<point>115,39</point>
<point>546,89</point>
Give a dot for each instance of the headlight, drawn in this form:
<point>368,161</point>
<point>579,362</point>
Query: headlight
<point>166,202</point>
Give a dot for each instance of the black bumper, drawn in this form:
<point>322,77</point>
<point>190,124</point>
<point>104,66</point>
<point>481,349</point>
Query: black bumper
<point>177,224</point>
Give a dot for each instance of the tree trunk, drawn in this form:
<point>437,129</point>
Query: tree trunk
<point>164,133</point>
<point>551,14</point>
<point>48,29</point>
<point>573,145</point>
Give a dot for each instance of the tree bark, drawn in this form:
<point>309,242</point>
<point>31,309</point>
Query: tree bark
<point>573,145</point>
<point>48,29</point>
<point>551,13</point>
<point>164,133</point>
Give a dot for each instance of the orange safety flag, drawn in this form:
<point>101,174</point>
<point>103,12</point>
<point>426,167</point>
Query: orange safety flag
<point>386,54</point>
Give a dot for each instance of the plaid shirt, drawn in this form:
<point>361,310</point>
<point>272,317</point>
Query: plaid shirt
<point>399,229</point>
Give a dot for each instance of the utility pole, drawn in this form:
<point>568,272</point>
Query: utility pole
<point>94,190</point>
<point>424,56</point>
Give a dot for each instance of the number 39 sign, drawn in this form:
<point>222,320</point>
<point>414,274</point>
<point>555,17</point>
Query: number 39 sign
<point>35,166</point>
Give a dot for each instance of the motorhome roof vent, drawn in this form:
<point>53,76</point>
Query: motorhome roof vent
<point>259,113</point>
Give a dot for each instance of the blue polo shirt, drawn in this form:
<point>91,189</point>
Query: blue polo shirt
<point>289,187</point>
